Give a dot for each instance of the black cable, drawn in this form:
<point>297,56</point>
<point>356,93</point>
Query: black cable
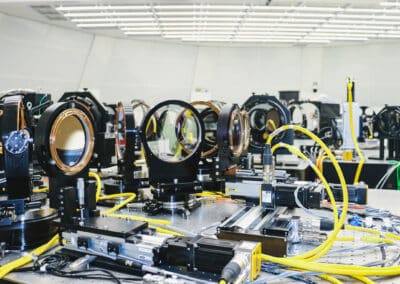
<point>55,263</point>
<point>78,274</point>
<point>383,252</point>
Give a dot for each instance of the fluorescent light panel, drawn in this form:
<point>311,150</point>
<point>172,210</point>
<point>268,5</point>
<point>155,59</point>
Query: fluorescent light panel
<point>102,25</point>
<point>368,17</point>
<point>350,31</point>
<point>234,22</point>
<point>202,7</point>
<point>339,38</point>
<point>271,40</point>
<point>363,22</point>
<point>143,33</point>
<point>107,14</point>
<point>101,8</point>
<point>390,4</point>
<point>100,20</point>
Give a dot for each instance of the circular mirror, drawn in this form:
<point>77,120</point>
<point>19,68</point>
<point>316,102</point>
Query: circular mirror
<point>71,140</point>
<point>209,113</point>
<point>263,117</point>
<point>236,129</point>
<point>389,121</point>
<point>120,131</point>
<point>178,133</point>
<point>246,131</point>
<point>140,109</point>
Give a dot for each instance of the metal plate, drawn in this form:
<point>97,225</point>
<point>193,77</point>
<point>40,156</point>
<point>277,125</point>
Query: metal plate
<point>212,212</point>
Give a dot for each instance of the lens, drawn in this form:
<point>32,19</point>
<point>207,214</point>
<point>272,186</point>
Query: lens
<point>70,140</point>
<point>273,120</point>
<point>236,132</point>
<point>210,126</point>
<point>140,110</point>
<point>264,116</point>
<point>177,135</point>
<point>259,118</point>
<point>209,113</point>
<point>120,131</point>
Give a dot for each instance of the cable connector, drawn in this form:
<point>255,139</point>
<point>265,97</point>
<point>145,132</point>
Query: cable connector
<point>268,158</point>
<point>267,190</point>
<point>268,161</point>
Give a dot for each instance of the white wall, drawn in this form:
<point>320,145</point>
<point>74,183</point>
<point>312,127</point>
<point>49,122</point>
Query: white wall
<point>232,74</point>
<point>374,67</point>
<point>130,69</point>
<point>43,57</point>
<point>39,56</point>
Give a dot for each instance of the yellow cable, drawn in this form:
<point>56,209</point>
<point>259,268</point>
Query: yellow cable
<point>211,194</point>
<point>272,123</point>
<point>362,229</point>
<point>321,163</point>
<point>376,240</point>
<point>7,268</point>
<point>330,279</point>
<point>298,153</point>
<point>324,247</point>
<point>130,197</point>
<point>166,231</point>
<point>353,132</point>
<point>345,239</point>
<point>98,184</point>
<point>41,190</point>
<point>392,236</point>
<point>178,151</point>
<point>340,269</point>
<point>371,132</point>
<point>363,279</point>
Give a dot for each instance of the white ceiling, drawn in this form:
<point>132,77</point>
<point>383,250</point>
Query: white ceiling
<point>280,21</point>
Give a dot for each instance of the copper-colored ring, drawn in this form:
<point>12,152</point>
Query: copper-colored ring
<point>215,109</point>
<point>119,108</point>
<point>138,104</point>
<point>247,129</point>
<point>235,113</point>
<point>186,150</point>
<point>147,108</point>
<point>89,141</point>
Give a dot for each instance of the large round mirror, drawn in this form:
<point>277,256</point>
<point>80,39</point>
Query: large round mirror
<point>236,130</point>
<point>120,131</point>
<point>246,131</point>
<point>209,113</point>
<point>264,119</point>
<point>178,133</point>
<point>140,109</point>
<point>71,140</point>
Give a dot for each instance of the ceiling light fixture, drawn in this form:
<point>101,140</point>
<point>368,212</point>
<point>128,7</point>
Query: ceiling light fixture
<point>390,4</point>
<point>107,14</point>
<point>99,20</point>
<point>101,8</point>
<point>143,33</point>
<point>246,21</point>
